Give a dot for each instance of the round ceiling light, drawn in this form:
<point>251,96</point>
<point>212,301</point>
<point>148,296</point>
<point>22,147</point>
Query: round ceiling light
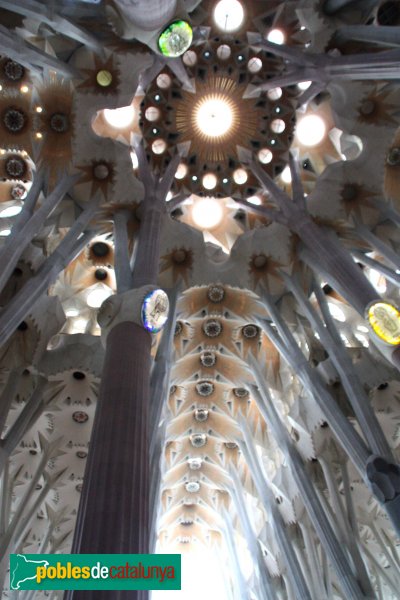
<point>209,181</point>
<point>229,15</point>
<point>276,36</point>
<point>310,130</point>
<point>181,171</point>
<point>207,213</point>
<point>175,39</point>
<point>286,175</point>
<point>240,176</point>
<point>120,117</point>
<point>214,117</point>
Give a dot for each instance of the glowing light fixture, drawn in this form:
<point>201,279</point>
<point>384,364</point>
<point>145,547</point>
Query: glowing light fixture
<point>384,319</point>
<point>164,82</point>
<point>304,85</point>
<point>175,39</point>
<point>256,200</point>
<point>209,181</point>
<point>229,15</point>
<point>265,156</point>
<point>5,232</point>
<point>155,310</point>
<point>240,176</point>
<point>275,93</point>
<point>190,58</point>
<point>134,158</point>
<point>286,175</point>
<point>224,52</point>
<point>310,130</point>
<point>152,113</point>
<point>97,296</point>
<point>72,312</point>
<point>120,117</point>
<point>207,213</point>
<point>159,146</point>
<point>276,36</point>
<point>11,211</point>
<point>214,117</point>
<point>254,65</point>
<point>278,126</point>
<point>181,171</point>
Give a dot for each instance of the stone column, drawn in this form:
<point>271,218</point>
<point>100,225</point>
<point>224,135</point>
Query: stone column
<point>113,514</point>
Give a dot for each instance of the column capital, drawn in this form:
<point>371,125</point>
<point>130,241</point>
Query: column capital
<point>125,307</point>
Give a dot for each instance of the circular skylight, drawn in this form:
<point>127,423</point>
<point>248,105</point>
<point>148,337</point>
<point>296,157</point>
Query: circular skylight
<point>214,117</point>
<point>175,39</point>
<point>310,130</point>
<point>229,15</point>
<point>120,117</point>
<point>207,213</point>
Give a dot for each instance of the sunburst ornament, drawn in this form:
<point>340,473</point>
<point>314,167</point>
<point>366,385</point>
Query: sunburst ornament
<point>384,319</point>
<point>214,116</point>
<point>213,121</point>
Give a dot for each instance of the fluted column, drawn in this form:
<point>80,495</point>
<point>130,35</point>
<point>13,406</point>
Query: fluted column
<point>114,513</point>
<point>113,516</point>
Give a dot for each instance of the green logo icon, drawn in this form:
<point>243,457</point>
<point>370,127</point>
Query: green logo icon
<point>24,570</point>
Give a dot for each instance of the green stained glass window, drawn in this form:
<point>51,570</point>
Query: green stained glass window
<point>175,39</point>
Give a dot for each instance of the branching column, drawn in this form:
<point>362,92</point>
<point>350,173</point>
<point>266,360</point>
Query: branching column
<point>113,515</point>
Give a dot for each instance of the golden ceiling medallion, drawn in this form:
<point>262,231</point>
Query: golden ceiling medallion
<point>384,319</point>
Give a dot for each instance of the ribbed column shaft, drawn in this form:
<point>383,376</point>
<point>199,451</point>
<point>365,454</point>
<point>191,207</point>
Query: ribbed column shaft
<point>145,270</point>
<point>338,265</point>
<point>113,514</point>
